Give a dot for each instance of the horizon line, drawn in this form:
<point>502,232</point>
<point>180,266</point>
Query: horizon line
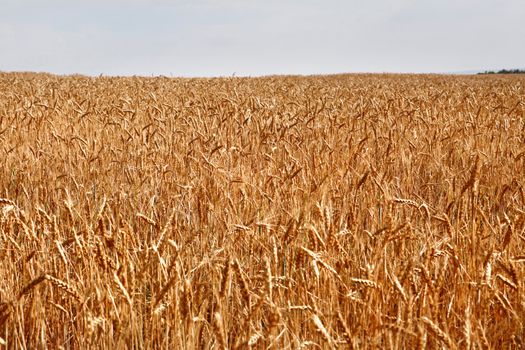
<point>235,75</point>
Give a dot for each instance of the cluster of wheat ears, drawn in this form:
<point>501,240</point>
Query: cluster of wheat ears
<point>350,211</point>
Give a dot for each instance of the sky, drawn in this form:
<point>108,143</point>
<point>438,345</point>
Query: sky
<point>252,38</point>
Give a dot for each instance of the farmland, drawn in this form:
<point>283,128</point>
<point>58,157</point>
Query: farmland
<point>345,211</point>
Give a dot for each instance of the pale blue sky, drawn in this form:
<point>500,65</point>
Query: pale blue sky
<point>222,37</point>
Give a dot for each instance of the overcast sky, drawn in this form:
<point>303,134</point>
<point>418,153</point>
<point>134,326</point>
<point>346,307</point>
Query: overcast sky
<point>249,37</point>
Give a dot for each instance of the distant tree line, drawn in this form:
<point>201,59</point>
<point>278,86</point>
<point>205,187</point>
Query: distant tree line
<point>504,71</point>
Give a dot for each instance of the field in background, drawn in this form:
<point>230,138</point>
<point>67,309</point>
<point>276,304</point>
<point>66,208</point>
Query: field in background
<point>355,211</point>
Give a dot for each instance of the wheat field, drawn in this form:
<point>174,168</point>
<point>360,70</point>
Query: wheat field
<point>345,211</point>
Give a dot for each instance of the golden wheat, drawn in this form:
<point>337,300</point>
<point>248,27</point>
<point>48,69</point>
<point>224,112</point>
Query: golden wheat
<point>350,211</point>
